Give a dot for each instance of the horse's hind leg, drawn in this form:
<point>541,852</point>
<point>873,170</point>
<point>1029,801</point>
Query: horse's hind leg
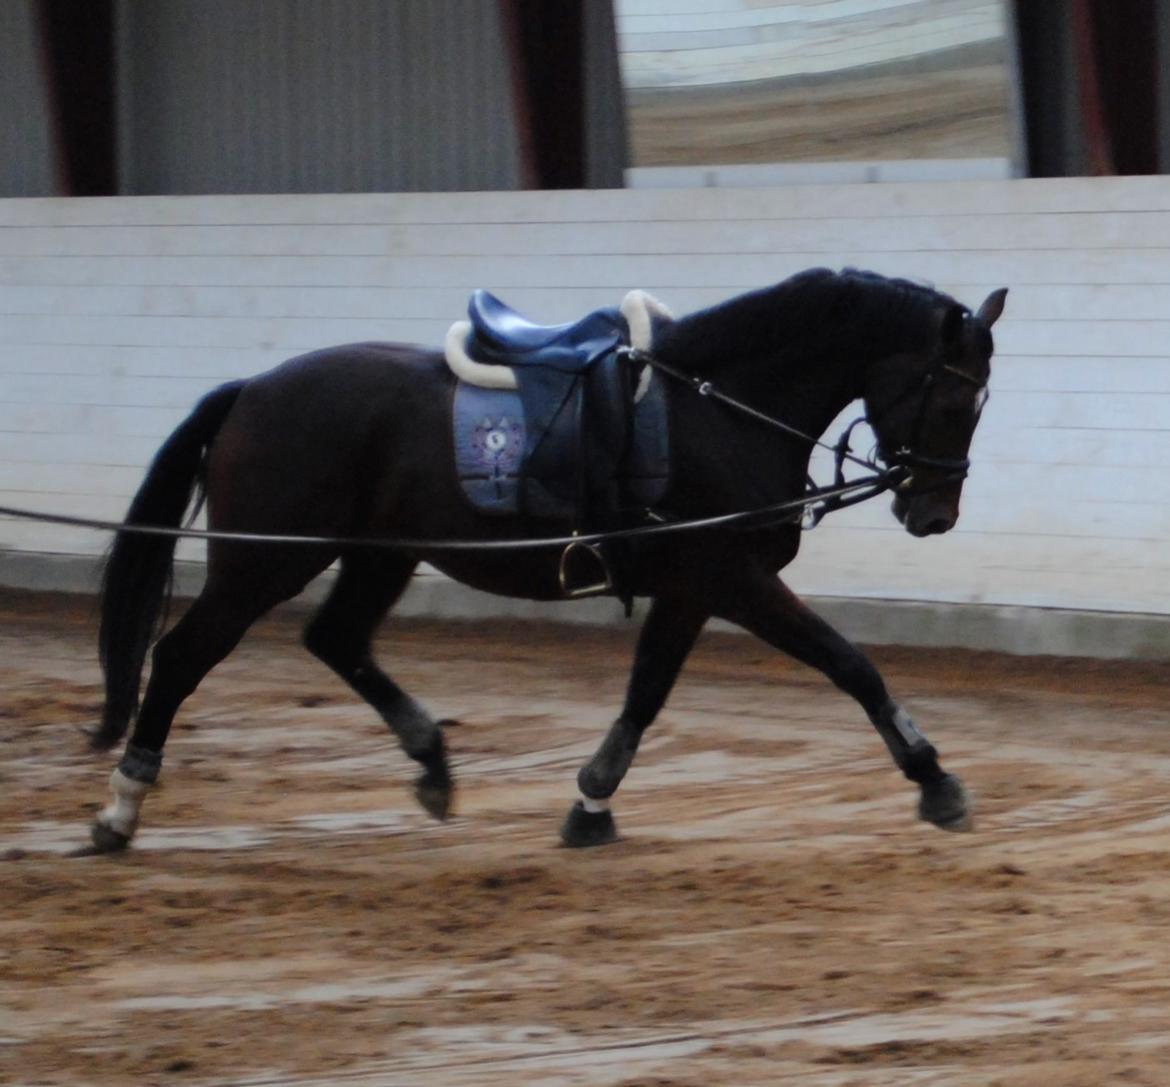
<point>340,633</point>
<point>241,587</point>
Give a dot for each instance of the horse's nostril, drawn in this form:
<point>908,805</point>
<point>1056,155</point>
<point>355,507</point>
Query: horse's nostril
<point>930,524</point>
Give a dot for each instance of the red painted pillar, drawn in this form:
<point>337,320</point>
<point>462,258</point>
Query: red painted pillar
<point>77,37</point>
<point>1126,48</point>
<point>546,44</point>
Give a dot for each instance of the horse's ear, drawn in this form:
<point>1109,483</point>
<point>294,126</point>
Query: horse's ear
<point>992,307</point>
<point>952,323</point>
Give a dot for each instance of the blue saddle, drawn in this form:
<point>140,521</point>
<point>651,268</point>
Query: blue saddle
<point>569,443</point>
<point>501,335</point>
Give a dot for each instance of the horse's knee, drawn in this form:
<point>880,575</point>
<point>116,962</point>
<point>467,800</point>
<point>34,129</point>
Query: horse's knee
<point>314,639</point>
<point>321,638</point>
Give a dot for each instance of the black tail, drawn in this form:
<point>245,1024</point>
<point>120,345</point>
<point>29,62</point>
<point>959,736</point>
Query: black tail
<point>136,582</point>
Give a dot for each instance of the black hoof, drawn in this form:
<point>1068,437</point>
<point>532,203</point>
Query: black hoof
<point>105,840</point>
<point>434,792</point>
<point>96,740</point>
<point>946,804</point>
<point>582,828</point>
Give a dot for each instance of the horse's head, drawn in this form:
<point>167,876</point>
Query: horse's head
<point>924,408</point>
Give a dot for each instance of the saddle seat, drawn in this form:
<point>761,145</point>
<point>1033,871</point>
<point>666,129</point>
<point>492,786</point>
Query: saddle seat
<point>497,342</point>
<point>500,335</point>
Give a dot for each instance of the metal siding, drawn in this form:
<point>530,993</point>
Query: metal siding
<point>606,146</point>
<point>315,96</point>
<point>26,151</point>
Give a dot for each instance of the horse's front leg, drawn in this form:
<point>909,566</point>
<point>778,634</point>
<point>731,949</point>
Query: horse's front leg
<point>668,635</point>
<point>766,607</point>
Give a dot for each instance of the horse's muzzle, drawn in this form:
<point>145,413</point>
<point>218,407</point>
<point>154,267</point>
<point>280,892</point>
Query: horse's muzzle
<point>925,514</point>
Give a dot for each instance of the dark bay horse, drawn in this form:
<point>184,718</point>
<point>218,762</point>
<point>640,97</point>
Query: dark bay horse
<point>354,441</point>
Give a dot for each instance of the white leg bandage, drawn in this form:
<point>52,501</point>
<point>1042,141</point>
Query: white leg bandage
<point>594,807</point>
<point>121,816</point>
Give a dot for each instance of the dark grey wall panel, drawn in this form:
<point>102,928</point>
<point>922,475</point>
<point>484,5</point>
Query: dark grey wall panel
<point>314,96</point>
<point>26,153</point>
<point>606,140</point>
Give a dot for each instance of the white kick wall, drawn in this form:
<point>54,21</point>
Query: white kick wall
<point>116,314</point>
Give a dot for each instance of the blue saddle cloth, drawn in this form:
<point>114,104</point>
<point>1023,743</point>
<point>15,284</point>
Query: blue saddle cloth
<point>492,432</point>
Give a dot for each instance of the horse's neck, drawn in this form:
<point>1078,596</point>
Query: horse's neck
<point>806,394</point>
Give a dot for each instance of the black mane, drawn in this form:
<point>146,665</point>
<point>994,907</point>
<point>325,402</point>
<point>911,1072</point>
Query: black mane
<point>817,312</point>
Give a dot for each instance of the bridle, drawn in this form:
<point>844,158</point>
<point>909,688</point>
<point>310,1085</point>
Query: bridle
<point>907,456</point>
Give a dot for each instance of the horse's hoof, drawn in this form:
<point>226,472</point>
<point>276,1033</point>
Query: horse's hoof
<point>105,840</point>
<point>97,741</point>
<point>434,793</point>
<point>582,828</point>
<point>946,804</point>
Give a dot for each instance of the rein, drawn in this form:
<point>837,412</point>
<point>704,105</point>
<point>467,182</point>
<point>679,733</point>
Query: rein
<point>705,388</point>
<point>762,517</point>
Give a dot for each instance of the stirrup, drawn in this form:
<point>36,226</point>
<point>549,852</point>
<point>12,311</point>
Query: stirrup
<point>593,553</point>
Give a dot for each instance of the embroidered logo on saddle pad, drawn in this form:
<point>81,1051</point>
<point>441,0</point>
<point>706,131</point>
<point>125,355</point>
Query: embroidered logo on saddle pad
<point>489,446</point>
